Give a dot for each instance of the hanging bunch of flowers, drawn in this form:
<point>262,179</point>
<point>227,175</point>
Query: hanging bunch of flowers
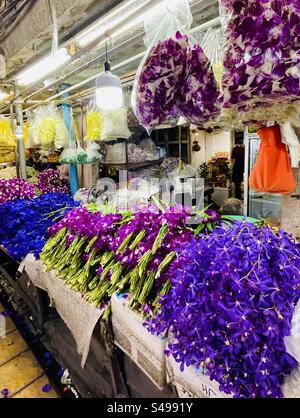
<point>198,97</point>
<point>158,80</point>
<point>230,306</point>
<point>261,63</point>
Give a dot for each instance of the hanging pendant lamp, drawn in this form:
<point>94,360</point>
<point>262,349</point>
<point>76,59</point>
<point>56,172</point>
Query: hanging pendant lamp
<point>109,92</point>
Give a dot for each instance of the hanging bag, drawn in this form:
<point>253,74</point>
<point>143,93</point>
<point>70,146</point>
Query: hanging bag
<point>160,73</point>
<point>198,96</point>
<point>272,172</point>
<point>261,79</point>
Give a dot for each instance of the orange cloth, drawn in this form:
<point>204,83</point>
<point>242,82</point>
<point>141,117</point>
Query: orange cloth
<point>272,172</point>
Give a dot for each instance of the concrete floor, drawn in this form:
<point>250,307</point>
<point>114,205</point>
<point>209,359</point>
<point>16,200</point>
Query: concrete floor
<point>20,373</point>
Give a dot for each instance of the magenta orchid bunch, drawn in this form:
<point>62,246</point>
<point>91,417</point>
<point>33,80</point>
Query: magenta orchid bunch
<point>15,188</point>
<point>49,181</point>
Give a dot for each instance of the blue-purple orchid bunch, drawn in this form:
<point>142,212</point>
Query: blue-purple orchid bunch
<point>25,222</point>
<point>231,302</point>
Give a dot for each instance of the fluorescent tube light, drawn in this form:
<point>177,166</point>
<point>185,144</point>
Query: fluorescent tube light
<point>121,13</point>
<point>3,95</point>
<point>90,34</point>
<point>43,67</point>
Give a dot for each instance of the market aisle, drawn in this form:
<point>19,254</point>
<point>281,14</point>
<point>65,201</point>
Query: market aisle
<point>20,372</point>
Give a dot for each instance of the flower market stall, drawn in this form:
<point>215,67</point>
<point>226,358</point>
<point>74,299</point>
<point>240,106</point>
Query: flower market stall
<point>134,284</point>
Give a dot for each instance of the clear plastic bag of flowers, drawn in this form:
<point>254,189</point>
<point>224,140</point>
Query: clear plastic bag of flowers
<point>213,47</point>
<point>7,137</point>
<point>47,125</point>
<point>92,151</point>
<point>61,138</point>
<point>33,122</point>
<point>159,74</point>
<point>81,155</point>
<point>93,124</point>
<point>114,124</point>
<point>198,98</point>
<point>69,155</point>
<point>261,62</point>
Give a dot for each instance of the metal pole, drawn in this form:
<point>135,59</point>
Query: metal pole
<point>11,113</point>
<point>67,109</point>
<point>20,154</point>
<point>180,149</point>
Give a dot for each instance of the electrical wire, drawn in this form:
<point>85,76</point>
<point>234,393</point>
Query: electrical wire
<point>10,10</point>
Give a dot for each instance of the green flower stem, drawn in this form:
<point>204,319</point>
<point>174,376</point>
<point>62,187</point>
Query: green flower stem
<point>124,244</point>
<point>159,239</point>
<point>91,243</point>
<point>137,239</point>
<point>96,261</point>
<point>107,313</point>
<point>166,261</point>
<point>116,273</point>
<point>135,293</point>
<point>125,280</point>
<point>148,285</point>
<point>93,284</point>
<point>143,262</point>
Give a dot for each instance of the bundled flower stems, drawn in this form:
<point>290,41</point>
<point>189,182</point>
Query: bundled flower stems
<point>176,79</point>
<point>99,254</point>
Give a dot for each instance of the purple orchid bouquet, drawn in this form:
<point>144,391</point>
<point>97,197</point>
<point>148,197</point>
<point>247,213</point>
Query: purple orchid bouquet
<point>15,188</point>
<point>131,252</point>
<point>261,63</point>
<point>198,98</point>
<point>176,79</point>
<point>49,181</point>
<point>157,81</point>
<point>230,306</point>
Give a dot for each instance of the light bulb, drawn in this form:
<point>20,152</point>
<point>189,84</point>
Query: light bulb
<point>109,98</point>
<point>109,92</point>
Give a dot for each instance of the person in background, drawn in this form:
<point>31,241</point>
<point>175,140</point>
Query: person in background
<point>238,166</point>
<point>232,206</point>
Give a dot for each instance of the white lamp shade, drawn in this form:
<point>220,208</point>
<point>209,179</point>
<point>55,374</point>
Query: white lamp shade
<point>109,92</point>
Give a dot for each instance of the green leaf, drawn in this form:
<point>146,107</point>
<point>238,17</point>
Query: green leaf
<point>210,227</point>
<point>199,228</point>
